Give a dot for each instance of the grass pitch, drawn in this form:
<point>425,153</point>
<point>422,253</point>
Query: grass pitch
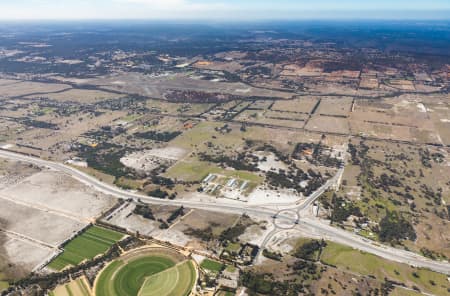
<point>146,274</point>
<point>3,285</point>
<point>211,265</point>
<point>177,280</point>
<point>94,241</point>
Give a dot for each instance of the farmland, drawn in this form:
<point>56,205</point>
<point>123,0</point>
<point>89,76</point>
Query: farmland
<point>78,287</point>
<point>94,241</point>
<point>228,144</point>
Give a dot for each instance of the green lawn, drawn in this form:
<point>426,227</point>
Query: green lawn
<point>233,247</point>
<point>3,285</point>
<point>92,242</point>
<point>368,264</point>
<point>192,171</point>
<point>212,265</point>
<point>104,282</point>
<point>126,279</point>
<point>177,280</point>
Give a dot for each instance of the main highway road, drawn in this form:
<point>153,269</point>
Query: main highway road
<point>319,227</point>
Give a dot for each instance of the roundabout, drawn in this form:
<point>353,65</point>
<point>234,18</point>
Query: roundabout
<point>286,219</point>
<point>147,272</point>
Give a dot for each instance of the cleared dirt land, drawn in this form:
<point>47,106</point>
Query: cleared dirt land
<point>58,192</point>
<point>22,88</point>
<point>40,210</point>
<point>79,95</point>
<point>328,124</point>
<point>18,257</point>
<point>339,107</point>
<point>47,228</point>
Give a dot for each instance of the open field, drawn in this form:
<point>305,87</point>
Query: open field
<point>127,275</point>
<point>277,118</point>
<point>156,87</point>
<point>78,95</point>
<point>335,106</point>
<point>198,170</point>
<point>368,264</point>
<point>269,114</point>
<point>125,218</point>
<point>439,111</point>
<point>60,193</point>
<point>211,265</point>
<point>94,241</point>
<point>40,210</point>
<point>302,105</point>
<point>37,224</point>
<point>19,256</point>
<point>3,285</point>
<point>423,178</point>
<point>403,118</point>
<point>23,88</point>
<point>78,287</point>
<point>328,124</point>
<point>182,275</point>
<point>200,219</point>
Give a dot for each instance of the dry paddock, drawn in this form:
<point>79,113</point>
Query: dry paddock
<point>41,210</point>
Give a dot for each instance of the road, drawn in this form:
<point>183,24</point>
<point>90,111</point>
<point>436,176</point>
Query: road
<point>325,230</point>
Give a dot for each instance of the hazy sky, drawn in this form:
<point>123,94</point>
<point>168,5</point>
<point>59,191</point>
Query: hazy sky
<point>223,9</point>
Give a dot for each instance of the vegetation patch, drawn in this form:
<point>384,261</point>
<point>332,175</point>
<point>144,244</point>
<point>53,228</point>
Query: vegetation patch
<point>94,241</point>
<point>211,265</point>
<point>370,265</point>
<point>177,280</point>
<point>158,136</point>
<point>146,274</point>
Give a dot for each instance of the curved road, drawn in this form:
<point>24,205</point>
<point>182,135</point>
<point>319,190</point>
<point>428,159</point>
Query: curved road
<point>324,229</point>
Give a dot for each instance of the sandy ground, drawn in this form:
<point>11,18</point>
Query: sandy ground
<point>28,87</point>
<point>22,256</point>
<point>135,223</point>
<point>284,241</point>
<point>173,236</point>
<point>328,124</point>
<point>270,163</point>
<point>132,222</point>
<point>151,159</point>
<point>79,95</point>
<point>255,234</point>
<point>37,224</point>
<point>40,210</point>
<point>52,190</point>
<point>155,86</point>
<point>265,196</point>
<point>173,153</point>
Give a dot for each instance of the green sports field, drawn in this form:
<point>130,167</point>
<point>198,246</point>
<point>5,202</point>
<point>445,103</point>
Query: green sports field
<point>94,241</point>
<point>162,284</point>
<point>212,266</point>
<point>147,274</point>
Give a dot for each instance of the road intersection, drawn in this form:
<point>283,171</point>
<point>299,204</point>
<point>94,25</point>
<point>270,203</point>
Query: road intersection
<point>301,221</point>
